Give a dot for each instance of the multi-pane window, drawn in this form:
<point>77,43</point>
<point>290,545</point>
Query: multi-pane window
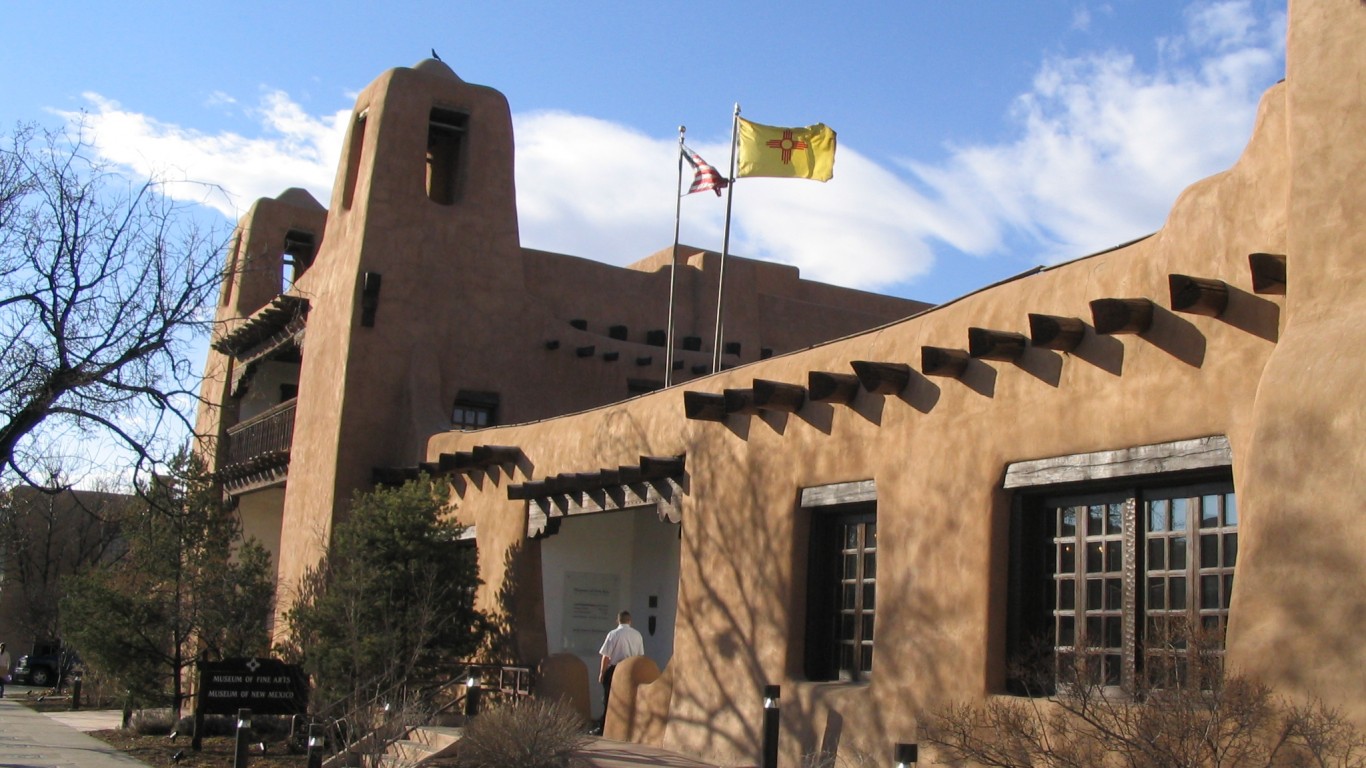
<point>474,409</point>
<point>471,416</point>
<point>842,590</point>
<point>858,587</point>
<point>1125,578</point>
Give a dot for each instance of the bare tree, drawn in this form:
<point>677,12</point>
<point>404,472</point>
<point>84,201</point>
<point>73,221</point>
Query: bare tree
<point>46,537</point>
<point>103,282</point>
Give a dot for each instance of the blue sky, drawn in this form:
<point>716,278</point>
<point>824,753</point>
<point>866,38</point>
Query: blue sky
<point>977,139</point>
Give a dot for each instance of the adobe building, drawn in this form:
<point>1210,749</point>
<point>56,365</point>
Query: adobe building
<point>47,535</point>
<point>348,335</point>
<point>1170,432</point>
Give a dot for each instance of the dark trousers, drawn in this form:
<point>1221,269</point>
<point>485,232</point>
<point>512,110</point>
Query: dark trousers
<point>607,691</point>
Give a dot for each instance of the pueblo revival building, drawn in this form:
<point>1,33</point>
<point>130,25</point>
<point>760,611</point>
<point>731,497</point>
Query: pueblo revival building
<point>348,335</point>
<point>1169,433</point>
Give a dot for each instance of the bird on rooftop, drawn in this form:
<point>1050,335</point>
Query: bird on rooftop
<point>434,56</point>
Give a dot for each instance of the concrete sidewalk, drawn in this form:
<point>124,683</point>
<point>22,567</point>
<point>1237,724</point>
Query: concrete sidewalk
<point>605,753</point>
<point>38,740</point>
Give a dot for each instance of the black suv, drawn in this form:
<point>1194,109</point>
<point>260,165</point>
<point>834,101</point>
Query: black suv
<point>41,669</point>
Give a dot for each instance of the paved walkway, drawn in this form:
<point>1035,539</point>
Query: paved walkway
<point>605,753</point>
<point>56,740</point>
<point>30,739</point>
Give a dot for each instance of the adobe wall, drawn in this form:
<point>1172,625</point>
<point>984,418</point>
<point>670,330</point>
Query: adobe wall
<point>1302,612</point>
<point>938,452</point>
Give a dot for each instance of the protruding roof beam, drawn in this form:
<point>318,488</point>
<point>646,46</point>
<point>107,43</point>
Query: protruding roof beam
<point>490,455</point>
<point>986,344</point>
<point>1057,333</point>
<point>778,396</point>
<point>826,387</point>
<point>704,406</point>
<point>882,378</point>
<point>1113,316</point>
<point>1198,295</point>
<point>942,361</point>
<point>660,467</point>
<point>1268,272</point>
<point>739,401</point>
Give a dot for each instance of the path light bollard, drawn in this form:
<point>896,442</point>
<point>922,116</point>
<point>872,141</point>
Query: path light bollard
<point>771,726</point>
<point>76,692</point>
<point>472,694</point>
<point>239,753</point>
<point>905,755</point>
<point>315,745</point>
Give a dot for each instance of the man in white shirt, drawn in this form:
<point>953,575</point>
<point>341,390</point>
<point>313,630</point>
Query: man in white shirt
<point>621,644</point>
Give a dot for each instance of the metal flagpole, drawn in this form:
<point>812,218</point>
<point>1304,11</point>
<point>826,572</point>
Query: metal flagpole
<point>725,241</point>
<point>673,265</point>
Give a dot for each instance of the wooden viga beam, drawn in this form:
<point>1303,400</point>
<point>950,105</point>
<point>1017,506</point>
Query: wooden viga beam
<point>527,491</point>
<point>1268,272</point>
<point>704,406</point>
<point>942,361</point>
<point>778,396</point>
<point>986,344</point>
<point>660,467</point>
<point>882,378</point>
<point>454,462</point>
<point>1114,316</point>
<point>1198,295</point>
<point>827,387</point>
<point>491,455</point>
<point>1061,334</point>
<point>740,401</point>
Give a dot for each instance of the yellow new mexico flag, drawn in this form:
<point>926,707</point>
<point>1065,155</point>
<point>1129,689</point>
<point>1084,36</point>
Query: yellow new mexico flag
<point>799,153</point>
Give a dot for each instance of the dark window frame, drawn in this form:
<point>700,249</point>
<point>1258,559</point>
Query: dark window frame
<point>474,409</point>
<point>841,592</point>
<point>447,132</point>
<point>1104,591</point>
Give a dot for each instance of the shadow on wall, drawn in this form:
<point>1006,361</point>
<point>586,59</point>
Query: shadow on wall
<point>741,625</point>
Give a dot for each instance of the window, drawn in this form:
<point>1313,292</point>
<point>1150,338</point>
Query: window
<point>841,583</point>
<point>353,156</point>
<point>1125,576</point>
<point>298,257</point>
<point>474,410</point>
<point>445,134</point>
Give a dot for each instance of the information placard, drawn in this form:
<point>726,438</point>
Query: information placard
<point>265,686</point>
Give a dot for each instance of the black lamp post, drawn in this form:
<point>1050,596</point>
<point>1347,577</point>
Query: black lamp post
<point>771,693</point>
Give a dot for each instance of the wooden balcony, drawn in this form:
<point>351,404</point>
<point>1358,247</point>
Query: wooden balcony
<point>256,451</point>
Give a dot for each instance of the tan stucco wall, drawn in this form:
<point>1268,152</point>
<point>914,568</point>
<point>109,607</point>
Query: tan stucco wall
<point>939,451</point>
<point>1302,613</point>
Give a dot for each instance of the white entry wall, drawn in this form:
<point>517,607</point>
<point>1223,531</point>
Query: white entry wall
<point>602,563</point>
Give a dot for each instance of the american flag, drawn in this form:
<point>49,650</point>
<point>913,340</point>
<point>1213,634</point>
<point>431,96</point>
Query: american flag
<point>705,177</point>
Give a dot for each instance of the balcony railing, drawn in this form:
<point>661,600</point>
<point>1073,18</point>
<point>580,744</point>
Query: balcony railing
<point>261,441</point>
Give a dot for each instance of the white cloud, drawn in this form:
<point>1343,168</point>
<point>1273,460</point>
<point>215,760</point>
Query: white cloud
<point>1106,146</point>
<point>294,150</point>
<point>1102,147</point>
